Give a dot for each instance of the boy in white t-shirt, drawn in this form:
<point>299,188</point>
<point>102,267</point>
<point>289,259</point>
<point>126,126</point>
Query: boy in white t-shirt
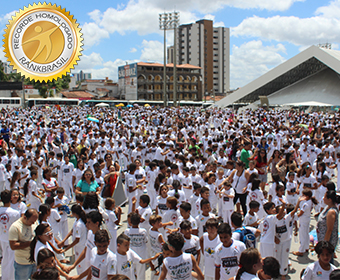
<point>268,228</point>
<point>61,202</point>
<point>227,254</point>
<point>179,265</point>
<point>191,242</point>
<point>227,195</point>
<point>127,259</point>
<point>251,219</point>
<point>103,262</point>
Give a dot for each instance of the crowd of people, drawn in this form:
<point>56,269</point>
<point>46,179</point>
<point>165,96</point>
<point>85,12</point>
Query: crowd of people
<point>211,194</point>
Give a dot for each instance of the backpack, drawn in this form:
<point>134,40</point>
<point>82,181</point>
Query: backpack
<point>247,237</point>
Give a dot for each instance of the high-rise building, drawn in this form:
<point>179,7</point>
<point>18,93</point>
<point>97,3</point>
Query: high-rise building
<point>83,76</point>
<point>204,45</point>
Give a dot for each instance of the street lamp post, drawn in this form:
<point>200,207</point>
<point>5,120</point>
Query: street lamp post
<point>169,21</point>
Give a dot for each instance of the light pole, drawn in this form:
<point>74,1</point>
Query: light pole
<point>169,21</point>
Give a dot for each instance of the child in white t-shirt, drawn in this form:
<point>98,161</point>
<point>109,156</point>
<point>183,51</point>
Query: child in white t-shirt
<point>227,195</point>
<point>127,259</point>
<point>251,219</point>
<point>103,262</point>
<point>268,229</point>
<point>112,219</point>
<point>191,242</point>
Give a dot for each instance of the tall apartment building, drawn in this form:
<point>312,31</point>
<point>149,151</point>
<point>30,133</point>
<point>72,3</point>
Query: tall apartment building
<point>206,46</point>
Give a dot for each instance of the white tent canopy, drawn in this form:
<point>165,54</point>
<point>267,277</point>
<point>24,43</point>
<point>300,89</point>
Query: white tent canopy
<point>308,103</point>
<point>102,105</point>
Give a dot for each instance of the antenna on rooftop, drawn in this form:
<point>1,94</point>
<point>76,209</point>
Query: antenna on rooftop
<point>325,46</point>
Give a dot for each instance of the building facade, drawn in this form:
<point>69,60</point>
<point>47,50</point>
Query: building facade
<point>206,46</point>
<point>81,76</point>
<point>145,81</point>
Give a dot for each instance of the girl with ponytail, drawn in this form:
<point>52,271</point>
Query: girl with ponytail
<point>78,232</point>
<point>177,192</point>
<point>250,263</point>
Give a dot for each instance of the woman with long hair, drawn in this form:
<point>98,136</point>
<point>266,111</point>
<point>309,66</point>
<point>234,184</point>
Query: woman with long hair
<point>78,172</point>
<point>239,178</point>
<point>283,165</point>
<point>110,181</point>
<point>327,225</point>
<point>87,183</point>
<point>261,166</point>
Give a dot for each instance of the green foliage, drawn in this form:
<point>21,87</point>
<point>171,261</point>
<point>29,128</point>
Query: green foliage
<point>43,87</point>
<point>3,76</point>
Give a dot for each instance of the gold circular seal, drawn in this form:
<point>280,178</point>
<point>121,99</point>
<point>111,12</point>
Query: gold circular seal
<point>43,42</point>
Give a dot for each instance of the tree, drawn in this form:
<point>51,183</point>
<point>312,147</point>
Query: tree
<point>45,87</point>
<point>3,76</point>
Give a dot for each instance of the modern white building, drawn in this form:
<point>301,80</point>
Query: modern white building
<point>311,78</point>
<point>201,44</point>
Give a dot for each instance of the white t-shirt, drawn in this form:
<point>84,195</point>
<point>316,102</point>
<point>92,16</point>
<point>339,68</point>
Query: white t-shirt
<point>39,246</point>
<point>228,202</point>
<point>209,253</point>
<point>138,240</point>
<point>79,231</point>
<point>89,246</point>
<point>268,227</point>
<point>249,219</point>
<point>306,207</point>
<point>247,276</point>
<point>103,265</point>
<point>227,258</point>
<point>19,206</point>
<point>315,272</point>
<point>7,217</point>
<point>192,245</point>
<point>126,264</point>
<point>201,220</point>
<point>190,219</point>
<point>179,267</point>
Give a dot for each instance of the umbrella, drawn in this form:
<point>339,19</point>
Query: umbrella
<point>92,119</point>
<point>120,105</point>
<point>147,105</point>
<point>129,106</point>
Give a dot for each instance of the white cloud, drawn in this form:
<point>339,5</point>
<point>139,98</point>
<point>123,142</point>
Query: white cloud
<point>298,31</point>
<point>4,18</point>
<point>133,50</point>
<point>330,11</point>
<point>89,61</point>
<point>219,24</point>
<point>92,34</point>
<point>142,15</point>
<point>251,60</point>
<point>203,6</point>
<point>152,51</point>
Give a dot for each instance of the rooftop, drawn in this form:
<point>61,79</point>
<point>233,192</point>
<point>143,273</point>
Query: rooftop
<point>170,65</point>
<point>77,94</point>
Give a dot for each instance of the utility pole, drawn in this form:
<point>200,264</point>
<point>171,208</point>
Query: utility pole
<point>169,21</point>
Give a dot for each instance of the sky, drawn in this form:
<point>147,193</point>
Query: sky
<point>263,33</point>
